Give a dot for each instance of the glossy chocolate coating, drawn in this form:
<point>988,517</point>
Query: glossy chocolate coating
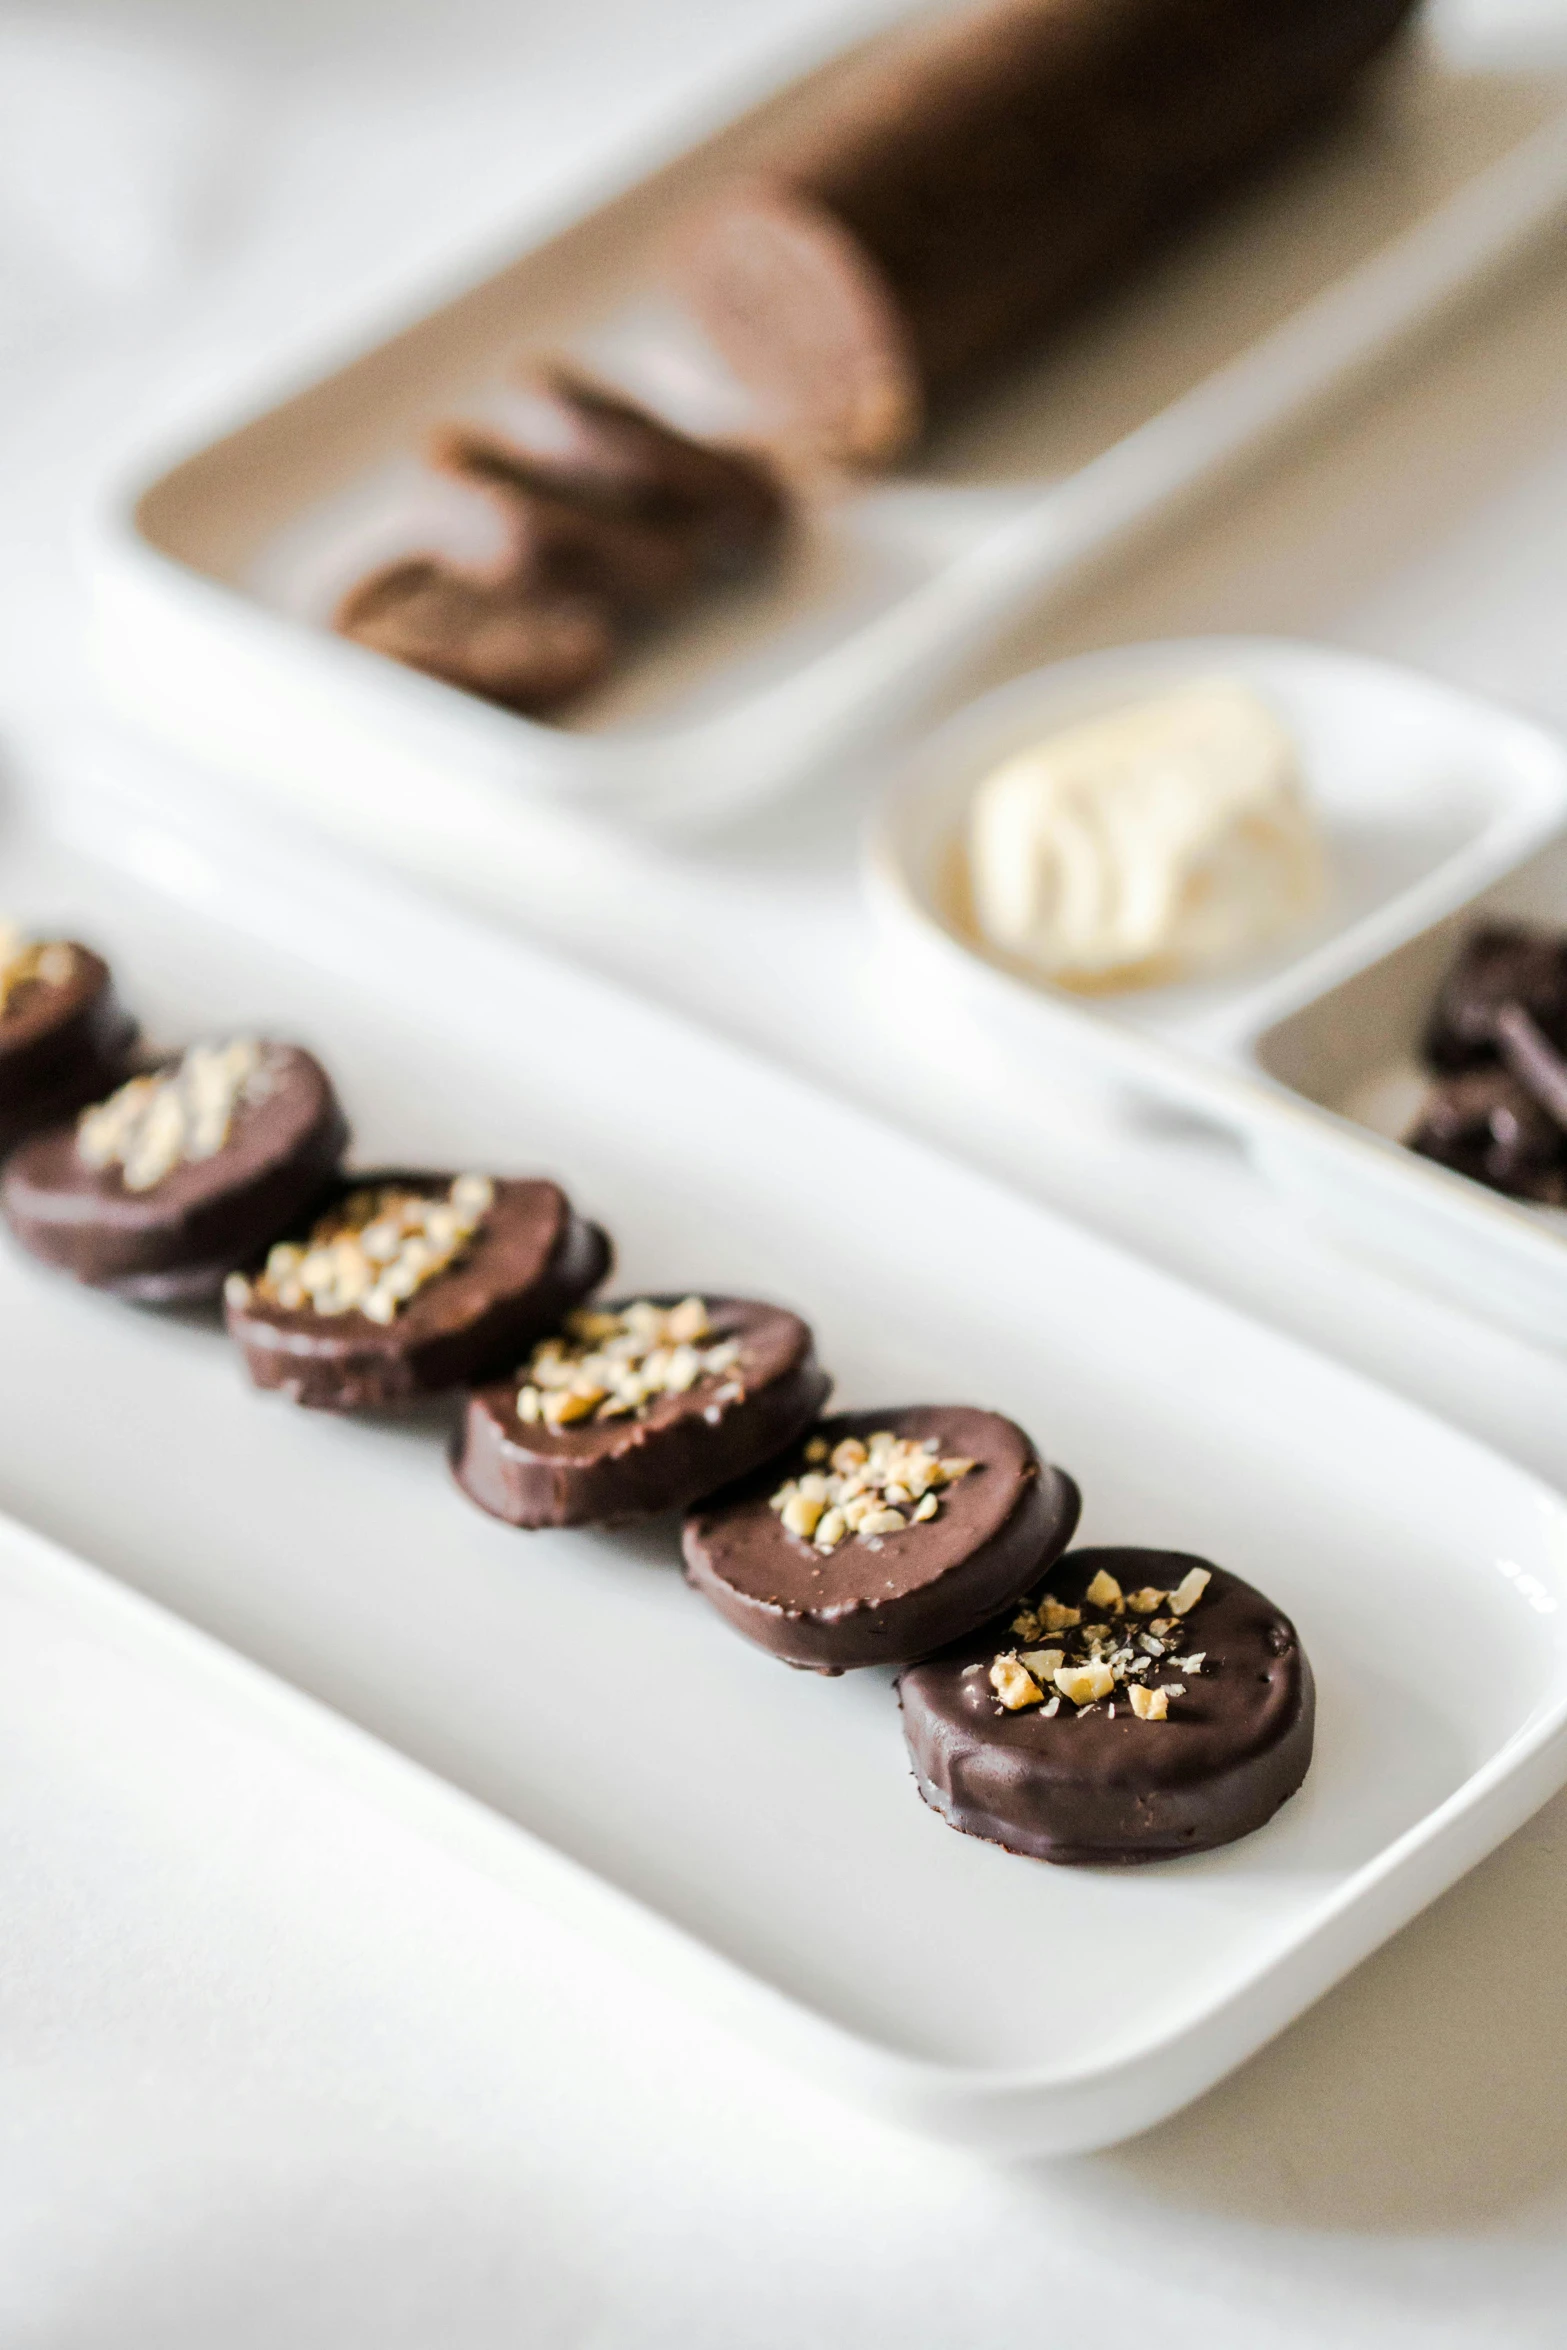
<point>61,1048</point>
<point>1504,963</point>
<point>1088,1788</point>
<point>1484,1124</point>
<point>977,179</point>
<point>899,1595</point>
<point>529,1263</point>
<point>530,649</point>
<point>600,1472</point>
<point>175,1243</point>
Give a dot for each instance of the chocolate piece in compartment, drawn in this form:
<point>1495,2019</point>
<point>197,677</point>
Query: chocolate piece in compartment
<point>756,1384</point>
<point>972,184</point>
<point>1045,1777</point>
<point>1484,1124</point>
<point>574,441</point>
<point>885,1594</point>
<point>1504,963</point>
<point>530,648</point>
<point>166,1225</point>
<point>65,1038</point>
<point>510,1267</point>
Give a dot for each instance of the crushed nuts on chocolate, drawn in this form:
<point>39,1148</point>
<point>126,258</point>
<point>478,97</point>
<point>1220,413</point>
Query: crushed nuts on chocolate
<point>870,1490</point>
<point>614,1365</point>
<point>1095,1650</point>
<point>372,1253</point>
<point>23,959</point>
<point>177,1115</point>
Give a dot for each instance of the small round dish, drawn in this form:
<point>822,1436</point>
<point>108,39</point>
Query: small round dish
<point>1424,796</point>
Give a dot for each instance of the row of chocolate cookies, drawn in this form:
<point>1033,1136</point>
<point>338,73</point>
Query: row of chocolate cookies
<point>1496,1043</point>
<point>1047,1704</point>
<point>612,521</point>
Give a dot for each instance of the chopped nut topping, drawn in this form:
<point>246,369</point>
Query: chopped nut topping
<point>1189,1590</point>
<point>374,1251</point>
<point>23,959</point>
<point>1015,1687</point>
<point>1105,1655</point>
<point>872,1489</point>
<point>178,1115</point>
<point>615,1364</point>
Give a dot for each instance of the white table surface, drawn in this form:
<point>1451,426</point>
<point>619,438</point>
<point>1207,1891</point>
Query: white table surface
<point>276,2074</point>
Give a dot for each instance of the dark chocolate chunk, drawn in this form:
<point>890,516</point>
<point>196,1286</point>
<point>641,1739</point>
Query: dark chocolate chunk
<point>973,183</point>
<point>830,1585</point>
<point>183,1174</point>
<point>1504,963</point>
<point>1002,1752</point>
<point>65,1039</point>
<point>1484,1124</point>
<point>637,1408</point>
<point>410,1283</point>
<point>532,649</point>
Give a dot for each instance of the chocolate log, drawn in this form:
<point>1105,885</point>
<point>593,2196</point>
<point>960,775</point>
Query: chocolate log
<point>967,190</point>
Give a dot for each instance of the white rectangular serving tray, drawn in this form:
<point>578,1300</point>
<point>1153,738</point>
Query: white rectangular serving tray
<point>749,1835</point>
<point>1434,805</point>
<point>218,559</point>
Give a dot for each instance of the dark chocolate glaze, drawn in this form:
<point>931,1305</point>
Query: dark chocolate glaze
<point>61,1048</point>
<point>174,1244</point>
<point>531,1260</point>
<point>906,1594</point>
<point>603,1472</point>
<point>529,648</point>
<point>978,178</point>
<point>1482,1123</point>
<point>1504,963</point>
<point>1086,1788</point>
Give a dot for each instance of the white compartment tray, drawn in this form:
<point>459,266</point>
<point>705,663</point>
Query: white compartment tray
<point>1429,798</point>
<point>751,1835</point>
<point>216,566</point>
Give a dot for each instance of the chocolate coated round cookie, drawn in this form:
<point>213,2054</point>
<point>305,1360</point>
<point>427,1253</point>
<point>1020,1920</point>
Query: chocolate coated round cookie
<point>882,1537</point>
<point>638,1408</point>
<point>64,1036</point>
<point>182,1174</point>
<point>409,1283</point>
<point>1145,1704</point>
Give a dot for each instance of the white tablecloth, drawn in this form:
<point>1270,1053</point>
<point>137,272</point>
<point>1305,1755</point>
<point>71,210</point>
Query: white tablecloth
<point>277,2075</point>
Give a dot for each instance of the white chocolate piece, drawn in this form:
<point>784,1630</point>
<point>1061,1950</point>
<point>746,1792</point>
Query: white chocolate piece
<point>1167,838</point>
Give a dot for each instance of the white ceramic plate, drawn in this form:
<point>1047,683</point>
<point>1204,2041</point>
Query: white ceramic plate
<point>1428,798</point>
<point>216,568</point>
<point>749,1834</point>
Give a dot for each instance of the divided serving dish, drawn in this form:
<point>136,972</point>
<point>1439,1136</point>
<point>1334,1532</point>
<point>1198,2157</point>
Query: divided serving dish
<point>1437,809</point>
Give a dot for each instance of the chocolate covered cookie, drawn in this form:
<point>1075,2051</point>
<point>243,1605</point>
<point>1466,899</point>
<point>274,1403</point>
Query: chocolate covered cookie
<point>64,1037</point>
<point>410,1283</point>
<point>529,647</point>
<point>184,1173</point>
<point>1142,1705</point>
<point>882,1536</point>
<point>640,1407</point>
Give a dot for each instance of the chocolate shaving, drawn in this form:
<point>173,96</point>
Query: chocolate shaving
<point>1533,1059</point>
